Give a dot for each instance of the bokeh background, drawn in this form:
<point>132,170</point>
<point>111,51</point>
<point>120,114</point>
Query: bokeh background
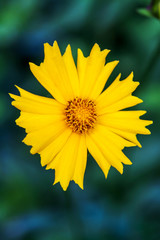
<point>123,206</point>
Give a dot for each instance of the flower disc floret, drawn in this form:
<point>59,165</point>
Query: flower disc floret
<point>80,115</point>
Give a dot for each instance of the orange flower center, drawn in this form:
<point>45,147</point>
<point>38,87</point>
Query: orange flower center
<point>80,115</point>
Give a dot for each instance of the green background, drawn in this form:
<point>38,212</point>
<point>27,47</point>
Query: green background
<point>123,206</point>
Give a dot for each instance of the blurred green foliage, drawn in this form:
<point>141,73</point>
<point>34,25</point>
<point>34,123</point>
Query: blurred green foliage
<point>153,10</point>
<point>121,207</point>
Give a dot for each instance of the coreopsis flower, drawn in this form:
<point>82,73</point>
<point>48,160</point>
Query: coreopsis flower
<point>80,116</point>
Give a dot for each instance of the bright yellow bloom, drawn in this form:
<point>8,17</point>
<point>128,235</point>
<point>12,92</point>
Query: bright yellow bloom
<point>79,117</point>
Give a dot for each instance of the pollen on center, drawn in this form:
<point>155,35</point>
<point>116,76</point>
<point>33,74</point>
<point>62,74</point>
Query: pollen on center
<point>80,115</point>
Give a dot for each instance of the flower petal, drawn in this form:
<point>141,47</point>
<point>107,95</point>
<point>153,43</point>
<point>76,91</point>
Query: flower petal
<point>117,91</point>
<point>81,162</point>
<point>110,147</point>
<point>113,138</point>
<point>32,122</point>
<point>126,135</point>
<point>91,68</point>
<point>71,70</point>
<point>39,139</point>
<point>134,114</point>
<point>125,121</point>
<point>52,149</point>
<point>46,81</point>
<point>126,102</point>
<point>81,67</point>
<point>56,69</point>
<point>97,154</point>
<point>102,79</point>
<point>68,161</point>
<point>32,103</point>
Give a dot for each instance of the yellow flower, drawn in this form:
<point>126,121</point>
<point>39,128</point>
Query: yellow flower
<point>80,116</point>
